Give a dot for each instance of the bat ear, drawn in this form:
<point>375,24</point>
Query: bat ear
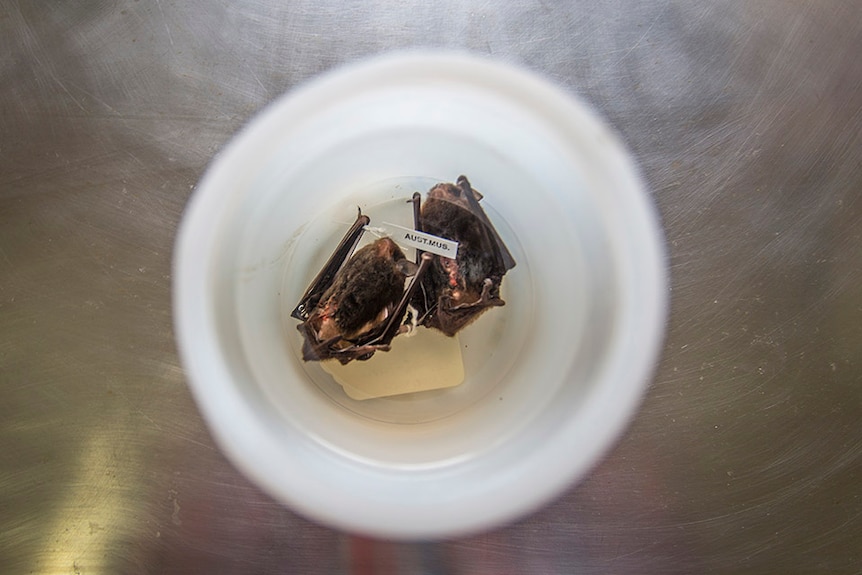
<point>406,267</point>
<point>467,189</point>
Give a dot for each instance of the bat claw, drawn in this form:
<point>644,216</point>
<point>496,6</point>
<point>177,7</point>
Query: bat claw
<point>360,353</point>
<point>486,289</point>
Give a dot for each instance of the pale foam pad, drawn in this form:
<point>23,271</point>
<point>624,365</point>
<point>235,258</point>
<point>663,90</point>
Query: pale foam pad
<point>422,362</point>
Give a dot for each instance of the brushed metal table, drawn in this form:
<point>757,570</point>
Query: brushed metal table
<point>746,117</point>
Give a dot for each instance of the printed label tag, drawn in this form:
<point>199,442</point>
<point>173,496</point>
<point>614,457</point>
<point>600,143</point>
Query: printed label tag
<point>420,240</point>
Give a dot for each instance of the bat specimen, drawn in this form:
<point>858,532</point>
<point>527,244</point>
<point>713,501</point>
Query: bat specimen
<point>455,292</point>
<point>355,308</point>
<point>357,303</point>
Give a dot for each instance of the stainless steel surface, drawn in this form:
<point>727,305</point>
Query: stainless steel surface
<point>746,456</point>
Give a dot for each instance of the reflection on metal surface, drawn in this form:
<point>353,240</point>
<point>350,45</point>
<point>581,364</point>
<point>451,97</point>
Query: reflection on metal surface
<point>92,512</point>
<point>746,455</point>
